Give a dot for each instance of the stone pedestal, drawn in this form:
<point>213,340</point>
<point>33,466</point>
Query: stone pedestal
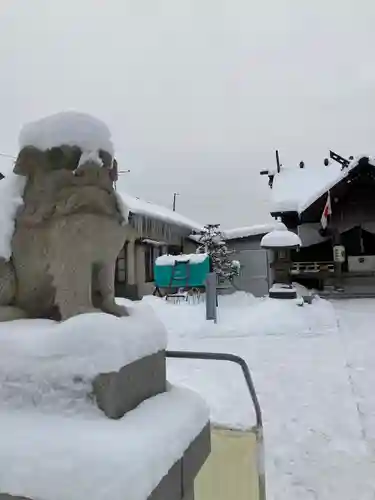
<point>131,411</point>
<point>116,393</point>
<point>282,291</point>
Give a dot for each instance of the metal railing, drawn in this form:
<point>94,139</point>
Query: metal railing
<point>258,429</point>
<point>312,267</point>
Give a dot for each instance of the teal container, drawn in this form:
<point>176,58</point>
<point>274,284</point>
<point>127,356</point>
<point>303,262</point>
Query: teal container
<point>178,271</point>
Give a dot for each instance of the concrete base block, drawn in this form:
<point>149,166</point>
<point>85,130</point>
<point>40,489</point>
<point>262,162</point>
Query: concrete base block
<point>116,393</point>
<point>178,484</point>
<point>283,295</point>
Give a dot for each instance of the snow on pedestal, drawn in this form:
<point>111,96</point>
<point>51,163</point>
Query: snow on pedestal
<point>282,291</point>
<point>68,128</point>
<point>51,365</point>
<point>47,457</point>
<point>56,443</point>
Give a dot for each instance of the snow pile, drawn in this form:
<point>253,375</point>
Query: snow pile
<point>280,238</point>
<point>68,128</point>
<point>63,458</point>
<point>250,327</point>
<point>51,365</point>
<point>153,211</point>
<point>295,189</point>
<point>246,232</point>
<point>11,191</point>
<point>302,291</point>
<point>170,260</point>
<point>242,315</point>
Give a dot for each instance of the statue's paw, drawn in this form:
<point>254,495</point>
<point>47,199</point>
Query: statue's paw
<point>9,313</point>
<point>122,311</point>
<point>77,311</point>
<point>115,309</point>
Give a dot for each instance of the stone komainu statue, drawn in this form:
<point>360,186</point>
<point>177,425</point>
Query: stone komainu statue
<point>67,237</point>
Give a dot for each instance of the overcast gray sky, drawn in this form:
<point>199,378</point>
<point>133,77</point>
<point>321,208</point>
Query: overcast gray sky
<point>197,93</point>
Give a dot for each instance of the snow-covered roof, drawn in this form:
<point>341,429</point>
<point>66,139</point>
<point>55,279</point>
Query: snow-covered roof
<point>158,212</point>
<point>169,260</point>
<point>295,189</point>
<point>68,128</point>
<point>245,232</point>
<point>280,238</point>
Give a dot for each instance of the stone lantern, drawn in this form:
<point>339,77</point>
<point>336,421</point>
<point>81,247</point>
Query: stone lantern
<point>281,241</point>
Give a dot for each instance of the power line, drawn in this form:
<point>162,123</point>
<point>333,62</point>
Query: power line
<point>8,156</point>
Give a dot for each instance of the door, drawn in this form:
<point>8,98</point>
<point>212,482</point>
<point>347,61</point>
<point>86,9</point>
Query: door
<point>254,275</point>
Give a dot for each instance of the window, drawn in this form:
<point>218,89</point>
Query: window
<point>174,250</point>
<point>121,275</point>
<point>151,254</point>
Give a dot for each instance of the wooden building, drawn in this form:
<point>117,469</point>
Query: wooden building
<point>155,230</point>
<point>332,208</point>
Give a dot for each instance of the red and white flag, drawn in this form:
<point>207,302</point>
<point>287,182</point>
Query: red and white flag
<point>327,212</point>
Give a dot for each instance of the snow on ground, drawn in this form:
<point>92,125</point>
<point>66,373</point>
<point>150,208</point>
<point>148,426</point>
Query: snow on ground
<point>314,371</point>
<point>242,315</point>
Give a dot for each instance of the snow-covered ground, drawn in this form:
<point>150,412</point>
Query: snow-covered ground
<point>314,370</point>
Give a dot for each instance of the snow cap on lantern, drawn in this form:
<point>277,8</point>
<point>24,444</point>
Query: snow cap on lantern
<point>280,237</point>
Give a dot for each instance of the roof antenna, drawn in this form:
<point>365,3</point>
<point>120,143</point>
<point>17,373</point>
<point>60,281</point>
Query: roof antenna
<point>278,164</point>
<point>343,161</point>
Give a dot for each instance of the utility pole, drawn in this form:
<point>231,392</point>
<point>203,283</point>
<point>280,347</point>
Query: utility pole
<point>278,164</point>
<point>174,200</point>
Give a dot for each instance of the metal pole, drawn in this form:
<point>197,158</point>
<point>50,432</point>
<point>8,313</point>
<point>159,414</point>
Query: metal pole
<point>211,297</point>
<point>211,356</point>
<point>174,201</point>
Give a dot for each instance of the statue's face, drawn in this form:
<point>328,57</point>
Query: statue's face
<point>32,161</point>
